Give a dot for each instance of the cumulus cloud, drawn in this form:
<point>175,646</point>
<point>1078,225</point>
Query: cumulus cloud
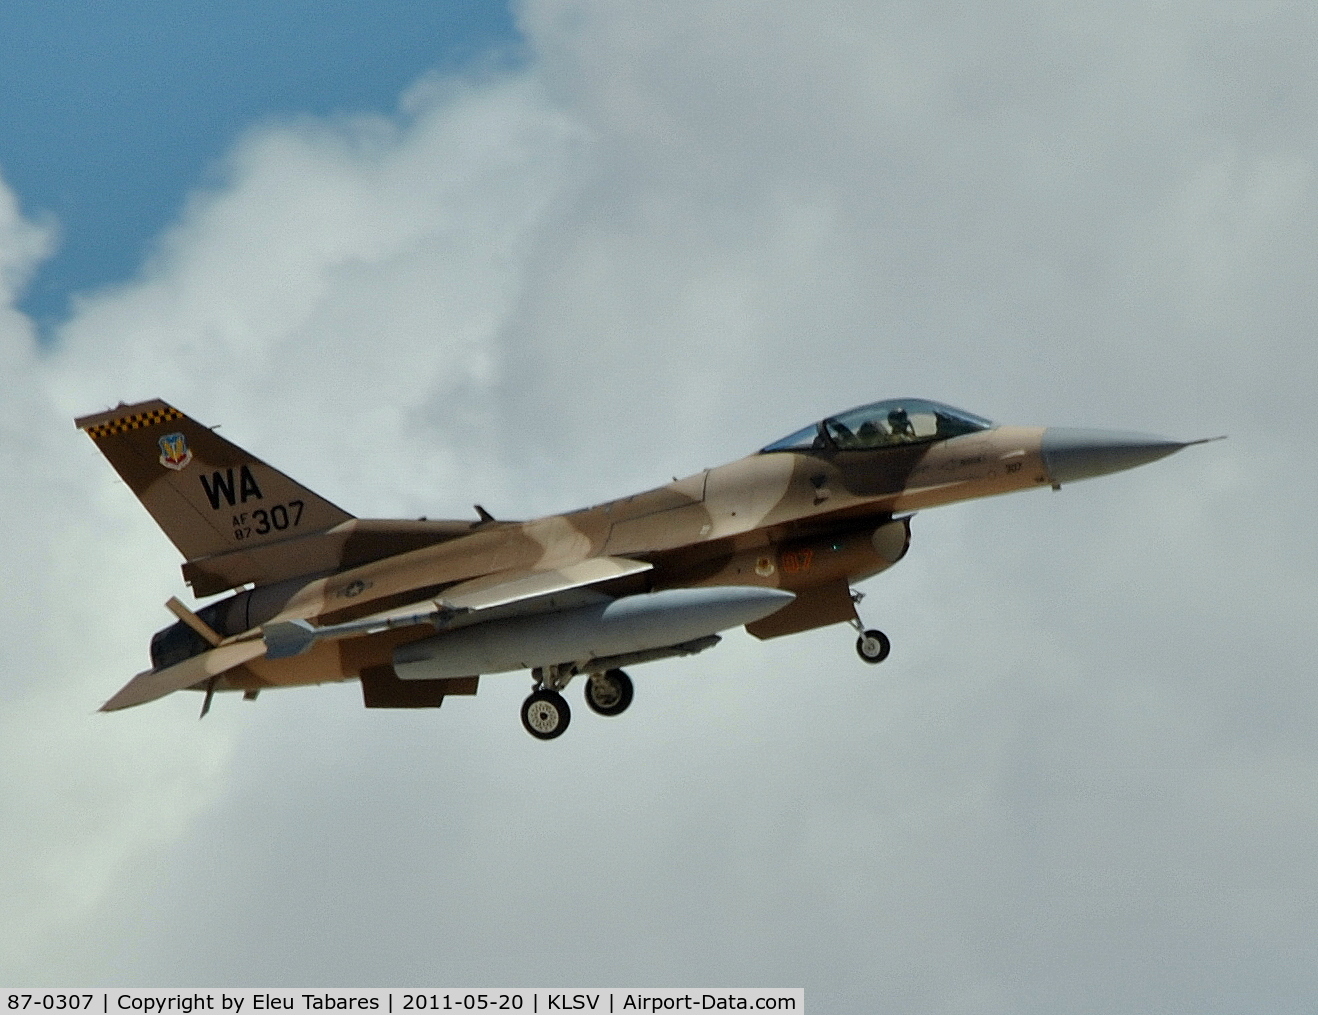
<point>78,798</point>
<point>1083,780</point>
<point>374,278</point>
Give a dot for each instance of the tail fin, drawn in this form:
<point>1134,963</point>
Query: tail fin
<point>210,496</point>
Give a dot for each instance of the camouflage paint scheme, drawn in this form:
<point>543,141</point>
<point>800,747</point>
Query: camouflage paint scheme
<point>812,520</point>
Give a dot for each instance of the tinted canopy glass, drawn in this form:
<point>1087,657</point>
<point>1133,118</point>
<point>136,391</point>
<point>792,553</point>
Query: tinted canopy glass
<point>803,440</point>
<point>884,424</point>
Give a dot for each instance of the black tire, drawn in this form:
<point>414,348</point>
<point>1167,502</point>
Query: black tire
<point>609,693</point>
<point>545,714</point>
<point>873,646</point>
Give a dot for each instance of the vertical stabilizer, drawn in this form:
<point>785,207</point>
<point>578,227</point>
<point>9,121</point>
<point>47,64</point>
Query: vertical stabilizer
<point>210,496</point>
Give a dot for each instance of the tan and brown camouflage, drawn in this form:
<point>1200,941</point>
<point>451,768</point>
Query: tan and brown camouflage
<point>812,515</point>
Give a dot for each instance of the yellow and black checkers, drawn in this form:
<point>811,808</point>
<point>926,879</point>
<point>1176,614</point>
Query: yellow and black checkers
<point>133,421</point>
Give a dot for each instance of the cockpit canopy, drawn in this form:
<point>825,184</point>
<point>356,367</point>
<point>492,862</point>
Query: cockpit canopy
<point>883,425</point>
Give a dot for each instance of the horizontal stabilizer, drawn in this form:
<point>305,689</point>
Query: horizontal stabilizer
<point>155,684</point>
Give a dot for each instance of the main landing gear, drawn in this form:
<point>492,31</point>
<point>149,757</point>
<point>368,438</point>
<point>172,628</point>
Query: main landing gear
<point>609,693</point>
<point>545,712</point>
<point>873,645</point>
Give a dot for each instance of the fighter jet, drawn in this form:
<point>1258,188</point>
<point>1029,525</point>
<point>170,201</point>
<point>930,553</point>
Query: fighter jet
<point>420,610</point>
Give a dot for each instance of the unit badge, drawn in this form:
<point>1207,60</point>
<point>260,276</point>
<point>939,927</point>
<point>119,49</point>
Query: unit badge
<point>174,452</point>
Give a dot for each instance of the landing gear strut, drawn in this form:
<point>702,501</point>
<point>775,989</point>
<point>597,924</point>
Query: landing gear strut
<point>609,693</point>
<point>873,645</point>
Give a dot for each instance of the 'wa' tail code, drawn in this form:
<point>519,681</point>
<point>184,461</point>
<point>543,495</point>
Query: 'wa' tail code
<point>209,495</point>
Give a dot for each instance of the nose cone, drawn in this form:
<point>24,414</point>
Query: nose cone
<point>1070,454</point>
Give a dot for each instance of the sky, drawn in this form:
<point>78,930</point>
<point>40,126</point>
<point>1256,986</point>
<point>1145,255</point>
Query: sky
<point>654,239</point>
<point>113,112</point>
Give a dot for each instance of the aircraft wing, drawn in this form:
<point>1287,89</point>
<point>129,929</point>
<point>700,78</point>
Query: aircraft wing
<point>155,684</point>
<point>501,594</point>
<point>507,588</point>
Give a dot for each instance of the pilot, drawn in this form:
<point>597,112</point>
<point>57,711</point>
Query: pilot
<point>869,435</point>
<point>900,424</point>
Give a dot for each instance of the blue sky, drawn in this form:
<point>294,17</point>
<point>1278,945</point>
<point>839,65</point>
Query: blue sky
<point>112,112</point>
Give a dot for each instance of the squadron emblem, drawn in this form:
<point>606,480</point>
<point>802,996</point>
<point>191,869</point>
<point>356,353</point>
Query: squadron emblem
<point>174,453</point>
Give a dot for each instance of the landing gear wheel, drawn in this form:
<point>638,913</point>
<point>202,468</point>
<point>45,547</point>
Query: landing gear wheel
<point>873,646</point>
<point>545,714</point>
<point>609,693</point>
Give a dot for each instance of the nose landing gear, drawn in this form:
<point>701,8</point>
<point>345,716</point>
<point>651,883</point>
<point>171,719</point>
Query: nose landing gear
<point>873,645</point>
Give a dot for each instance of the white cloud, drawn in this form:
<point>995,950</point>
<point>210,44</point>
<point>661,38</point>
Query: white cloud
<point>79,795</point>
<point>1084,779</point>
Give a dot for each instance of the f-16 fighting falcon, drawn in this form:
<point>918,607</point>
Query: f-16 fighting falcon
<point>418,610</point>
